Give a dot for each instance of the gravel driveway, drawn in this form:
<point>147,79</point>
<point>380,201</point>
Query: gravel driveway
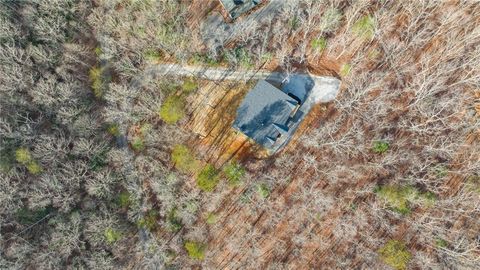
<point>325,88</point>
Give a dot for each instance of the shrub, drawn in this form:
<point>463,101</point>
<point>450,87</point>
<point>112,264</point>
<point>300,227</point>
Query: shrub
<point>98,51</point>
<point>7,160</point>
<point>244,58</point>
<point>427,198</point>
<point>168,257</point>
<point>380,147</point>
<point>364,27</point>
<point>172,109</point>
<point>23,156</point>
<point>173,221</point>
<point>395,254</point>
<point>353,206</point>
<point>473,183</point>
<point>208,178</point>
<point>139,31</point>
<point>239,56</point>
<point>440,170</point>
<point>138,144</point>
<point>169,87</point>
<point>441,243</point>
<point>144,128</point>
<point>34,168</point>
<point>98,161</point>
<point>234,173</point>
<point>263,190</point>
<point>27,216</point>
<point>168,34</point>
<point>246,197</point>
<point>374,54</point>
<point>112,236</point>
<point>189,85</point>
<point>294,22</point>
<point>397,197</point>
<point>149,220</point>
<point>153,55</point>
<point>195,250</point>
<point>345,70</point>
<point>171,178</point>
<point>204,59</point>
<point>319,44</point>
<point>190,206</point>
<point>266,57</point>
<point>211,218</point>
<point>183,159</point>
<point>96,78</point>
<point>123,199</point>
<point>113,129</point>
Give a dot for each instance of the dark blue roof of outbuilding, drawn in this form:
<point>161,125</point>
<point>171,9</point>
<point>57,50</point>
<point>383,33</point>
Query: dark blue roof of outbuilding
<point>264,106</point>
<point>237,7</point>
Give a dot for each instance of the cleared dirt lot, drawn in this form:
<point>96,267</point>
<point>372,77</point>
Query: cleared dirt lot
<point>211,111</point>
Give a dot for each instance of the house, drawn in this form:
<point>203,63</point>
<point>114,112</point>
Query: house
<point>266,114</point>
<point>235,8</point>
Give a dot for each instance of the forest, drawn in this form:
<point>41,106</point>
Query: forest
<point>109,161</point>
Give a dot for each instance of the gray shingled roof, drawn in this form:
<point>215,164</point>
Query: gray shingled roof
<point>237,7</point>
<point>264,113</point>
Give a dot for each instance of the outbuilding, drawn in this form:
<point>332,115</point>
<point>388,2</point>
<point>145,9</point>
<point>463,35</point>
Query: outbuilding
<point>235,8</point>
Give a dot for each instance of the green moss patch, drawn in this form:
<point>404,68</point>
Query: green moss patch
<point>395,254</point>
<point>208,178</point>
<point>401,198</point>
<point>380,147</point>
<point>173,109</point>
<point>112,236</point>
<point>195,250</point>
<point>184,160</point>
<point>24,157</point>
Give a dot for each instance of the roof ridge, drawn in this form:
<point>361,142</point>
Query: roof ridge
<point>292,103</point>
<point>280,128</point>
